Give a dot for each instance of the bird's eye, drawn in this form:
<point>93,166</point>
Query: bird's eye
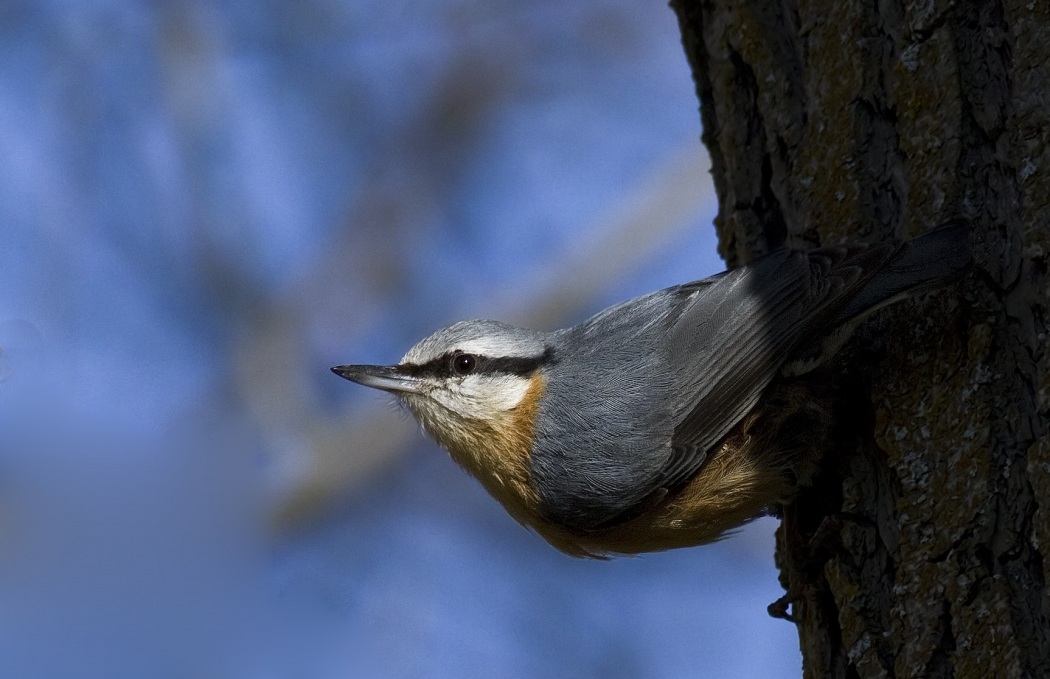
<point>464,364</point>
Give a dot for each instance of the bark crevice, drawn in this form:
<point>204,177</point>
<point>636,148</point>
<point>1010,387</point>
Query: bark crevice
<point>919,549</point>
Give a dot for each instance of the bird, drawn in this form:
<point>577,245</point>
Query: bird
<point>667,420</point>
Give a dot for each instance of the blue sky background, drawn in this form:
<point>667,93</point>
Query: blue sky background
<point>206,205</point>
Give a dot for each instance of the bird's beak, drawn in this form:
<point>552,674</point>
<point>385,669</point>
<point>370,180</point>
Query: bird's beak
<point>385,377</point>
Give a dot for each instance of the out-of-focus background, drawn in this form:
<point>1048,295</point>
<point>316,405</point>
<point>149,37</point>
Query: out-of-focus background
<point>204,205</point>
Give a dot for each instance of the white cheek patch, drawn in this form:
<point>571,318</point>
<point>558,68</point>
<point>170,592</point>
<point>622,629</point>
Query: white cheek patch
<point>483,397</point>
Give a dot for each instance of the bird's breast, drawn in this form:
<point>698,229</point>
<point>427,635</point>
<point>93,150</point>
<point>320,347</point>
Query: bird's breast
<point>497,450</point>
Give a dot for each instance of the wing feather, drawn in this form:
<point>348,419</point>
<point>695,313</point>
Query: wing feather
<point>728,355</point>
<point>723,339</point>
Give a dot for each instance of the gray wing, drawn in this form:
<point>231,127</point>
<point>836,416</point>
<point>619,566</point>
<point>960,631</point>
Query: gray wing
<point>731,339</point>
<point>731,342</point>
<point>649,422</point>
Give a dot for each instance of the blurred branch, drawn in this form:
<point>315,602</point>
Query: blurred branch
<point>339,454</point>
<point>630,234</point>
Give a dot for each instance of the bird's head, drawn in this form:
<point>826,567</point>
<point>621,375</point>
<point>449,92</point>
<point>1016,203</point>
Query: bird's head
<point>466,382</point>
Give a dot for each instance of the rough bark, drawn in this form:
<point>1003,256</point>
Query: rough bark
<point>922,550</point>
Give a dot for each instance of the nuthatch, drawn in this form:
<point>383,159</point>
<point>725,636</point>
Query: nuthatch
<point>659,422</point>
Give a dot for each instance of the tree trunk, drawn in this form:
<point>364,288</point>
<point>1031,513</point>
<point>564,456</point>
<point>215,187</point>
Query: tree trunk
<point>923,549</point>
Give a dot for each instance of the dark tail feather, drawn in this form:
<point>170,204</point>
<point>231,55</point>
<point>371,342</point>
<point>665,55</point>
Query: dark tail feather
<point>930,261</point>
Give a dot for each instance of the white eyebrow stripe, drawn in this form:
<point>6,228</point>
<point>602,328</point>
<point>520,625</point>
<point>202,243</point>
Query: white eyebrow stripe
<point>485,338</point>
<point>492,347</point>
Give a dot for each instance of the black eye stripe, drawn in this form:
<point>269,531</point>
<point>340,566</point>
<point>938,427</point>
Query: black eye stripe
<point>441,366</point>
<point>463,364</point>
<point>513,366</point>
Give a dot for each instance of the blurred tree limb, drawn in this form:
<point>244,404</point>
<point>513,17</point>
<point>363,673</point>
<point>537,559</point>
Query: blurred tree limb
<point>337,455</point>
<point>923,552</point>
